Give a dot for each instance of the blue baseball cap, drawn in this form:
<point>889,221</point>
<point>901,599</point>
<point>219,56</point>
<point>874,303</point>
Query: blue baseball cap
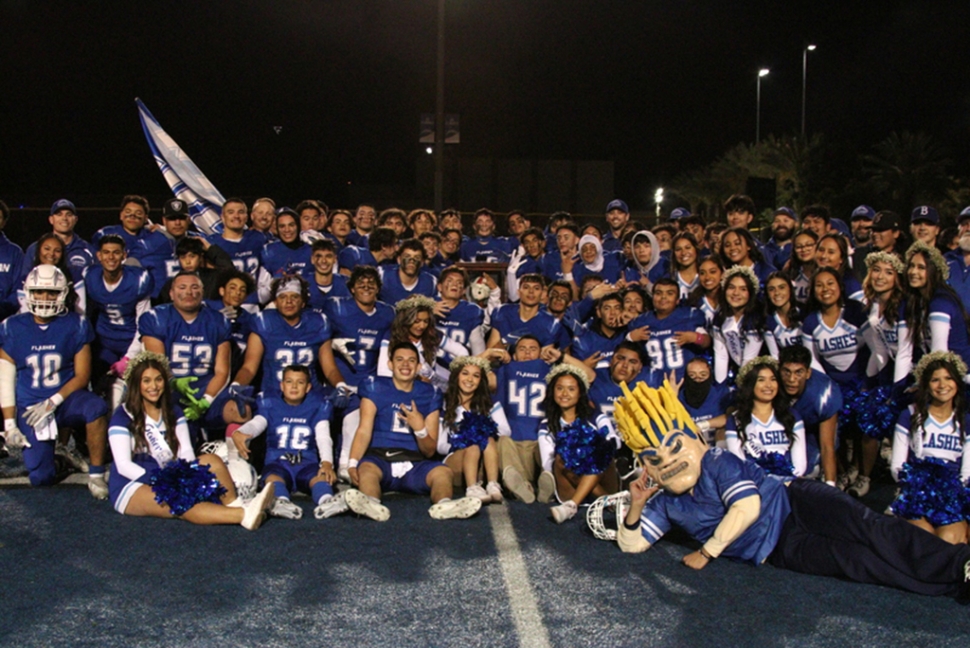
<point>925,213</point>
<point>787,211</point>
<point>679,213</point>
<point>863,212</point>
<point>964,215</point>
<point>63,203</point>
<point>617,204</point>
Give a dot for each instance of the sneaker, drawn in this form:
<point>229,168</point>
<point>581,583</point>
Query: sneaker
<point>860,487</point>
<point>453,509</point>
<point>476,490</point>
<point>494,492</point>
<point>98,487</point>
<point>72,456</point>
<point>963,596</point>
<point>565,511</point>
<point>368,507</point>
<point>284,508</point>
<point>254,512</point>
<point>330,507</point>
<point>517,485</point>
<point>343,474</point>
<point>886,450</point>
<point>847,478</point>
<point>4,453</point>
<point>547,487</point>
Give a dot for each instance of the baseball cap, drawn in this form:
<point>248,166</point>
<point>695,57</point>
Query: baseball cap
<point>863,212</point>
<point>287,210</point>
<point>617,204</point>
<point>886,220</point>
<point>787,211</point>
<point>63,203</point>
<point>678,213</point>
<point>925,213</point>
<point>964,215</point>
<point>175,209</point>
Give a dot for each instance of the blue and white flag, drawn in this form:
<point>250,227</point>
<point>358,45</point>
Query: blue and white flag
<point>187,182</point>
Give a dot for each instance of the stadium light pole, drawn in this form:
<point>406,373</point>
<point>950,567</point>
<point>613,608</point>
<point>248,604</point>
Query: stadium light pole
<point>439,119</point>
<point>757,115</point>
<point>808,48</point>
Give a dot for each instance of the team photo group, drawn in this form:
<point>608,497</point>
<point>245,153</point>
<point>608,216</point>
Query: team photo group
<point>745,384</point>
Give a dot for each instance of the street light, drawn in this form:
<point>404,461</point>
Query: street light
<point>808,48</point>
<point>757,119</point>
<point>658,197</point>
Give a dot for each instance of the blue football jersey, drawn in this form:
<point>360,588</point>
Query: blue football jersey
<point>117,308</point>
<point>390,430</point>
<point>319,295</point>
<point>284,345</point>
<point>43,353</point>
<point>719,398</point>
<point>291,428</point>
<point>191,347</point>
<point>665,354</point>
<point>724,480</point>
<point>604,393</point>
<point>460,321</point>
<point>521,391</point>
<point>278,258</point>
<point>588,342</point>
<point>393,290</point>
<point>352,256</point>
<point>544,326</point>
<point>244,252</point>
<point>79,255</point>
<point>365,329</point>
<point>493,249</point>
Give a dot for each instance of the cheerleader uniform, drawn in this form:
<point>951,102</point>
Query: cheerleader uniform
<point>767,445</point>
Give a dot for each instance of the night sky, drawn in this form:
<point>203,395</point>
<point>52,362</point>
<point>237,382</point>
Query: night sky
<point>659,87</point>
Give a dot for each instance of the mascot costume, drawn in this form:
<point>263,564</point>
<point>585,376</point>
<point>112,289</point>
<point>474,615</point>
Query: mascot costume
<point>734,509</point>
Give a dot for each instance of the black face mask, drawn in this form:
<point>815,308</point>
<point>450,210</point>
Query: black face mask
<point>295,243</point>
<point>695,393</point>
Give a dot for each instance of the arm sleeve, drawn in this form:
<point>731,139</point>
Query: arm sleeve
<point>904,355</point>
<point>752,347</point>
<point>8,384</point>
<point>965,460</point>
<point>476,340</point>
<point>120,441</point>
<point>939,331</point>
<point>382,368</point>
<point>185,440</point>
<point>324,443</point>
<point>799,456</point>
<point>263,284</point>
<point>740,515</point>
<point>720,356</point>
<point>901,445</point>
<point>254,427</point>
<point>498,415</point>
<point>772,344</point>
<point>547,449</point>
<point>732,440</point>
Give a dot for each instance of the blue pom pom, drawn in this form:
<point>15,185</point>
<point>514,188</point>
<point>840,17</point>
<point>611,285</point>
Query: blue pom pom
<point>930,488</point>
<point>776,463</point>
<point>474,429</point>
<point>854,399</point>
<point>876,417</point>
<point>181,485</point>
<point>584,451</point>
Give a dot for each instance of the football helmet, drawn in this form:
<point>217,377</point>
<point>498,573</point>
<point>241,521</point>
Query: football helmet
<point>243,474</point>
<point>618,503</point>
<point>46,278</point>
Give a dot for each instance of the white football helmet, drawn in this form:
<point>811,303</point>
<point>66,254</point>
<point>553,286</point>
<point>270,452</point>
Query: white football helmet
<point>46,277</point>
<point>243,474</point>
<point>619,503</point>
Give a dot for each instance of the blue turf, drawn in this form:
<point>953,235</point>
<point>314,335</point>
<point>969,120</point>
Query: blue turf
<point>76,573</point>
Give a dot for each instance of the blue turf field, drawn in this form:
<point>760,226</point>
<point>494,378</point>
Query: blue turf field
<point>75,573</point>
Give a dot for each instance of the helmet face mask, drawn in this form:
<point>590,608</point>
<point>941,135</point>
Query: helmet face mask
<point>46,279</point>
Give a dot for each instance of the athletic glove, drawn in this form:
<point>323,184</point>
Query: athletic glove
<point>39,412</point>
<point>241,395</point>
<point>184,386</point>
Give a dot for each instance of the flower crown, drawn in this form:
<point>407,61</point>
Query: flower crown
<point>463,361</point>
<point>565,368</point>
<point>745,271</point>
<point>141,358</point>
<point>932,255</point>
<point>753,365</point>
<point>885,257</point>
<point>946,356</point>
<point>420,302</point>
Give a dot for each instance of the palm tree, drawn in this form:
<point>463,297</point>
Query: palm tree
<point>907,169</point>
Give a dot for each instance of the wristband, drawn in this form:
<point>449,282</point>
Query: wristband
<point>57,399</point>
<point>209,398</point>
<point>9,424</point>
<point>830,482</point>
<point>701,338</point>
<point>353,463</point>
<point>422,433</point>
